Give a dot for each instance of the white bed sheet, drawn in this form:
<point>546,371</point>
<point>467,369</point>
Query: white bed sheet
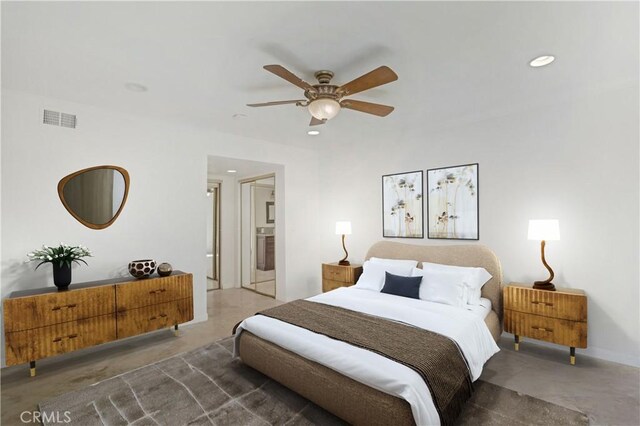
<point>465,327</point>
<point>482,310</point>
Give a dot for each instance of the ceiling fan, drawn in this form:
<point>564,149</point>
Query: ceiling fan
<point>324,100</point>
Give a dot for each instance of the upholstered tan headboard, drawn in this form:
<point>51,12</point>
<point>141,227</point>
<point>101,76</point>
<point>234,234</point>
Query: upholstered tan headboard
<point>458,255</point>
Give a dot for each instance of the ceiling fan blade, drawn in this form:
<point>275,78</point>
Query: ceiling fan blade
<point>375,78</point>
<point>275,103</point>
<point>282,72</point>
<point>368,107</point>
<point>316,122</point>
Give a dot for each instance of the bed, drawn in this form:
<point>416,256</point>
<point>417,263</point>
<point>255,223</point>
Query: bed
<point>294,358</point>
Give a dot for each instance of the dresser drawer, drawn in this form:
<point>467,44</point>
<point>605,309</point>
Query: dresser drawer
<point>24,313</point>
<point>554,330</point>
<point>152,291</point>
<point>149,318</point>
<point>553,304</point>
<point>29,345</point>
<point>328,285</point>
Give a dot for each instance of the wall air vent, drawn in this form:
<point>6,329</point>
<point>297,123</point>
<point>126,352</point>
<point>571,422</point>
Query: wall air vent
<point>56,118</point>
<point>68,120</point>
<point>51,117</point>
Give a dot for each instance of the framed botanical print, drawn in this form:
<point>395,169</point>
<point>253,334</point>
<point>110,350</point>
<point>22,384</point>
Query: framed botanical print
<point>452,206</point>
<point>403,205</point>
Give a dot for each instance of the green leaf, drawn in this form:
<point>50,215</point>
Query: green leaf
<point>41,264</point>
<point>81,260</point>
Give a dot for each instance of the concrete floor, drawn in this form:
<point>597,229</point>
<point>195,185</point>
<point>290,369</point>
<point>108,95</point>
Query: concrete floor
<point>607,392</point>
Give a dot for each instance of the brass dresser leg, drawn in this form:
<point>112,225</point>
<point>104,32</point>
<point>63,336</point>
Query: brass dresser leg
<point>32,368</point>
<point>572,357</point>
<point>175,330</point>
<point>517,342</point>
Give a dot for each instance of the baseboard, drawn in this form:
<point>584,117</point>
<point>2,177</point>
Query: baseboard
<point>608,355</point>
<point>592,351</point>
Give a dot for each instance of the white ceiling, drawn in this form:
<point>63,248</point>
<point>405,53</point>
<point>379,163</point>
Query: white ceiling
<point>244,168</point>
<point>202,62</point>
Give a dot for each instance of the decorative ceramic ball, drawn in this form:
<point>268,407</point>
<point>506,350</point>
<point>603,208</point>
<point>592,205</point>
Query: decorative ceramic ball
<point>142,268</point>
<point>165,269</point>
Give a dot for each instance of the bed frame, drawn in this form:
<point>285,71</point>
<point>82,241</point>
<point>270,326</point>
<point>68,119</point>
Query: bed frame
<point>348,399</point>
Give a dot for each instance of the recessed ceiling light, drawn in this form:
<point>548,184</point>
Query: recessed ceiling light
<point>231,171</point>
<point>135,87</point>
<point>313,132</point>
<point>541,61</point>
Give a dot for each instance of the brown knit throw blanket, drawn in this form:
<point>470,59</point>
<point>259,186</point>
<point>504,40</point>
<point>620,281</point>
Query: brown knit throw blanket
<point>435,357</point>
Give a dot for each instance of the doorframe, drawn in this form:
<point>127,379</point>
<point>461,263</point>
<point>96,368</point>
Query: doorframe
<point>217,226</point>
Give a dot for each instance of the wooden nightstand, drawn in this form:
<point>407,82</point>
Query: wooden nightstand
<point>553,316</point>
<point>334,276</point>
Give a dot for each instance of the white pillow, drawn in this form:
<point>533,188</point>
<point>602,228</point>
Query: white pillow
<point>441,286</point>
<point>473,279</point>
<point>401,262</point>
<point>373,274</point>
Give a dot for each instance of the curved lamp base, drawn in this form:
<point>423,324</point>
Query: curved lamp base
<point>546,284</point>
<point>543,285</point>
<point>344,261</point>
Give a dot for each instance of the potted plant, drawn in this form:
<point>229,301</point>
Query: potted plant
<point>61,258</point>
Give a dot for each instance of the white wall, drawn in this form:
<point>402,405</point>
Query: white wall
<point>577,162</point>
<point>165,214</point>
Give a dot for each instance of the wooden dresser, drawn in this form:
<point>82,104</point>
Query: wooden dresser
<point>265,252</point>
<point>553,316</point>
<point>45,322</point>
<point>334,275</point>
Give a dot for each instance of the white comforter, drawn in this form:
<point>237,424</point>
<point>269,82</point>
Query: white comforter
<point>465,327</point>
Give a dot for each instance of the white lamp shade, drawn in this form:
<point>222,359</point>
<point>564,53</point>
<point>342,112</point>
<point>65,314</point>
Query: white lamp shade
<point>324,109</point>
<point>343,228</point>
<point>546,229</point>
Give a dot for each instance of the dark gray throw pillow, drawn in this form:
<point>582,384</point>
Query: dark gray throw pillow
<point>402,286</point>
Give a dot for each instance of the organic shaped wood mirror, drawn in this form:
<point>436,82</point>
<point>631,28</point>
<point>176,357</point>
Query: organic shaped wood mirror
<point>95,196</point>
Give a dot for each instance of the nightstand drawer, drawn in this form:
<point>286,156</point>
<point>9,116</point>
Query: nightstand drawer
<point>554,304</point>
<point>554,330</point>
<point>336,273</point>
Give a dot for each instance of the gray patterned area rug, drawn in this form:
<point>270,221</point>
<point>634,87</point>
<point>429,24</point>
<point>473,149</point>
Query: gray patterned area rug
<point>206,387</point>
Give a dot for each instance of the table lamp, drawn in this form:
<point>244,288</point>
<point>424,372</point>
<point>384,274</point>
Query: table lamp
<point>544,230</point>
<point>343,228</point>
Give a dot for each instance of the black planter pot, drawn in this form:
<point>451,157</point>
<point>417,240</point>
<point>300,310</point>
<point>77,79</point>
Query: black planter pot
<point>61,276</point>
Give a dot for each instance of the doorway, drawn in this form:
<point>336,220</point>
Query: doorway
<point>258,234</point>
<point>213,235</point>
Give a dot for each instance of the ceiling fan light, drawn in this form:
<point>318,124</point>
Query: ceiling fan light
<point>324,109</point>
<point>541,61</point>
